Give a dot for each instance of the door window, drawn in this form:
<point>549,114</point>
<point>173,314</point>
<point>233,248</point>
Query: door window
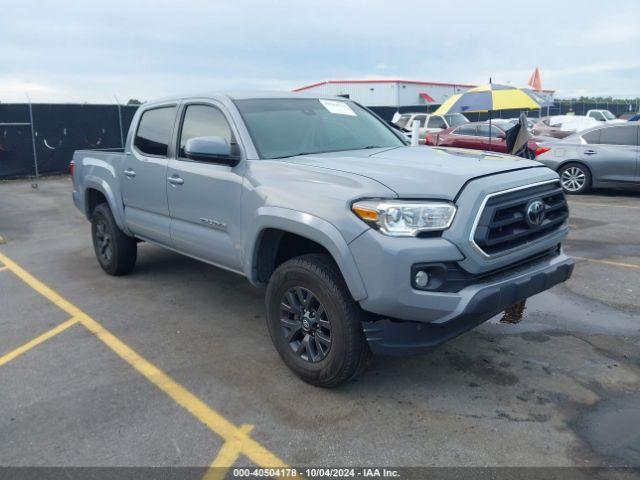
<point>154,131</point>
<point>592,137</point>
<point>436,121</point>
<point>483,131</point>
<point>455,119</point>
<point>619,136</point>
<point>421,119</point>
<point>203,121</point>
<point>469,130</point>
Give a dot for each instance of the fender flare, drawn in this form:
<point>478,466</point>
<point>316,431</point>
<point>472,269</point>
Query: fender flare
<point>115,202</point>
<point>308,226</point>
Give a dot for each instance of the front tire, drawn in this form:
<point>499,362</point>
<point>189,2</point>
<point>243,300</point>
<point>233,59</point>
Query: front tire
<point>115,251</point>
<point>575,178</point>
<point>314,323</point>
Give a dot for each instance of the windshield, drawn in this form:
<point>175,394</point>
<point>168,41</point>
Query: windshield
<point>285,127</point>
<point>456,119</point>
<point>608,115</point>
<point>402,121</point>
<point>504,124</point>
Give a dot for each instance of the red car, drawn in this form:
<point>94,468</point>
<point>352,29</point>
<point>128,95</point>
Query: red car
<point>476,135</point>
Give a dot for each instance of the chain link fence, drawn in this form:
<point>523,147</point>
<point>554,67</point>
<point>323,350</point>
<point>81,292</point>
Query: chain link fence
<point>42,141</point>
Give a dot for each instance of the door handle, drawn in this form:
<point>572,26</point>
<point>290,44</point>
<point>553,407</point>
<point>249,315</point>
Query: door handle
<point>129,173</point>
<point>175,180</point>
<point>590,152</point>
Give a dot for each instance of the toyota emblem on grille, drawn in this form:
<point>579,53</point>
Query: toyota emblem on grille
<point>535,213</point>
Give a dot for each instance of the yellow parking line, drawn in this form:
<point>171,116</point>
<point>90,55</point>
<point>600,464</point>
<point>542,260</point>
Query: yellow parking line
<point>41,288</point>
<point>183,397</point>
<point>227,456</point>
<point>571,202</point>
<point>212,419</point>
<point>37,341</point>
<point>609,262</point>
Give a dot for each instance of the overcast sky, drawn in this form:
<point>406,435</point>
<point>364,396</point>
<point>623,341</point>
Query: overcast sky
<point>65,50</point>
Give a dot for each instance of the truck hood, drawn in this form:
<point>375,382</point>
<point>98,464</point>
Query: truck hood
<point>418,172</point>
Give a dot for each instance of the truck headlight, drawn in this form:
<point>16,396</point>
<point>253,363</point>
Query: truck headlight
<point>405,218</point>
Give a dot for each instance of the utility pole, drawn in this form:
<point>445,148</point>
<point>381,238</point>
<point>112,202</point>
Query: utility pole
<point>119,121</point>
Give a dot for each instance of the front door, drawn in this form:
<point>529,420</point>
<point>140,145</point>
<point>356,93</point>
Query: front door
<point>144,175</point>
<point>491,140</point>
<point>204,197</point>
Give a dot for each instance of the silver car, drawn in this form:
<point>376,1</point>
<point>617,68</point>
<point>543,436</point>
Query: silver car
<point>602,156</point>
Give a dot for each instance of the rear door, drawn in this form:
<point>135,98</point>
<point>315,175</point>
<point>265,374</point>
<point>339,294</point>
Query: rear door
<point>204,197</point>
<point>612,153</point>
<point>144,176</point>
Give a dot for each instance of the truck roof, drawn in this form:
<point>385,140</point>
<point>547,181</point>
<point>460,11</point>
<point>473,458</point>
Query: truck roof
<point>241,95</point>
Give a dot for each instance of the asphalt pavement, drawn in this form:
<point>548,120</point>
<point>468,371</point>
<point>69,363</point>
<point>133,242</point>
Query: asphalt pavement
<point>173,366</point>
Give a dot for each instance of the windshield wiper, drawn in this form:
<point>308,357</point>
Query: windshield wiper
<point>294,155</point>
<point>368,147</point>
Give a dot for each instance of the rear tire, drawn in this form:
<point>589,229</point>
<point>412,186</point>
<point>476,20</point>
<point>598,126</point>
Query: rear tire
<point>314,323</point>
<point>575,178</point>
<point>115,251</point>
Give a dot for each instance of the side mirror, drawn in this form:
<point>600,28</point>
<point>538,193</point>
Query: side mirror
<point>501,135</point>
<point>210,149</point>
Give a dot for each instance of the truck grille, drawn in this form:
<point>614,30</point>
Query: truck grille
<point>515,218</point>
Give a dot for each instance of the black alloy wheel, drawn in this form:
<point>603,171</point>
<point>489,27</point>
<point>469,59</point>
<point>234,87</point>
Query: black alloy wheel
<point>305,324</point>
<point>103,241</point>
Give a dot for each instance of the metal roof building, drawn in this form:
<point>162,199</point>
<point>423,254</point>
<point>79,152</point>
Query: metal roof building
<point>391,93</point>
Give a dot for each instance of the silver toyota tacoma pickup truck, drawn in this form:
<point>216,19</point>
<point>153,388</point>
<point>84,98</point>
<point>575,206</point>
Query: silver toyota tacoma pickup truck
<point>364,244</point>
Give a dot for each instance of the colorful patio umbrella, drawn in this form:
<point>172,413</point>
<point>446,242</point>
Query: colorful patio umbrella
<point>487,98</point>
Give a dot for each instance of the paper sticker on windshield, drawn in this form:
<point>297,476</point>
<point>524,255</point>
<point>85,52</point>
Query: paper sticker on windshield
<point>335,106</point>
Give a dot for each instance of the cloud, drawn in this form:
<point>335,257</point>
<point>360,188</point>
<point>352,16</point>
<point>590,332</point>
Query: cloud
<point>88,51</point>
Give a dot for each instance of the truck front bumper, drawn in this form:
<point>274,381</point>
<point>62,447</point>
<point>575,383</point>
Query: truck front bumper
<point>415,321</point>
<point>392,337</point>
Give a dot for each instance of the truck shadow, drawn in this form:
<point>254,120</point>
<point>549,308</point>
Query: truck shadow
<point>487,355</point>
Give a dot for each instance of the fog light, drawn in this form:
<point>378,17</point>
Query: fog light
<point>421,279</point>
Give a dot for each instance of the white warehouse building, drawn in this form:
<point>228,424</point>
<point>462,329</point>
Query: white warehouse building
<point>388,93</point>
<point>394,95</point>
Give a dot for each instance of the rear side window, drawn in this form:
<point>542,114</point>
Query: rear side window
<point>619,136</point>
<point>154,131</point>
<point>203,121</point>
<point>466,130</point>
<point>593,137</point>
